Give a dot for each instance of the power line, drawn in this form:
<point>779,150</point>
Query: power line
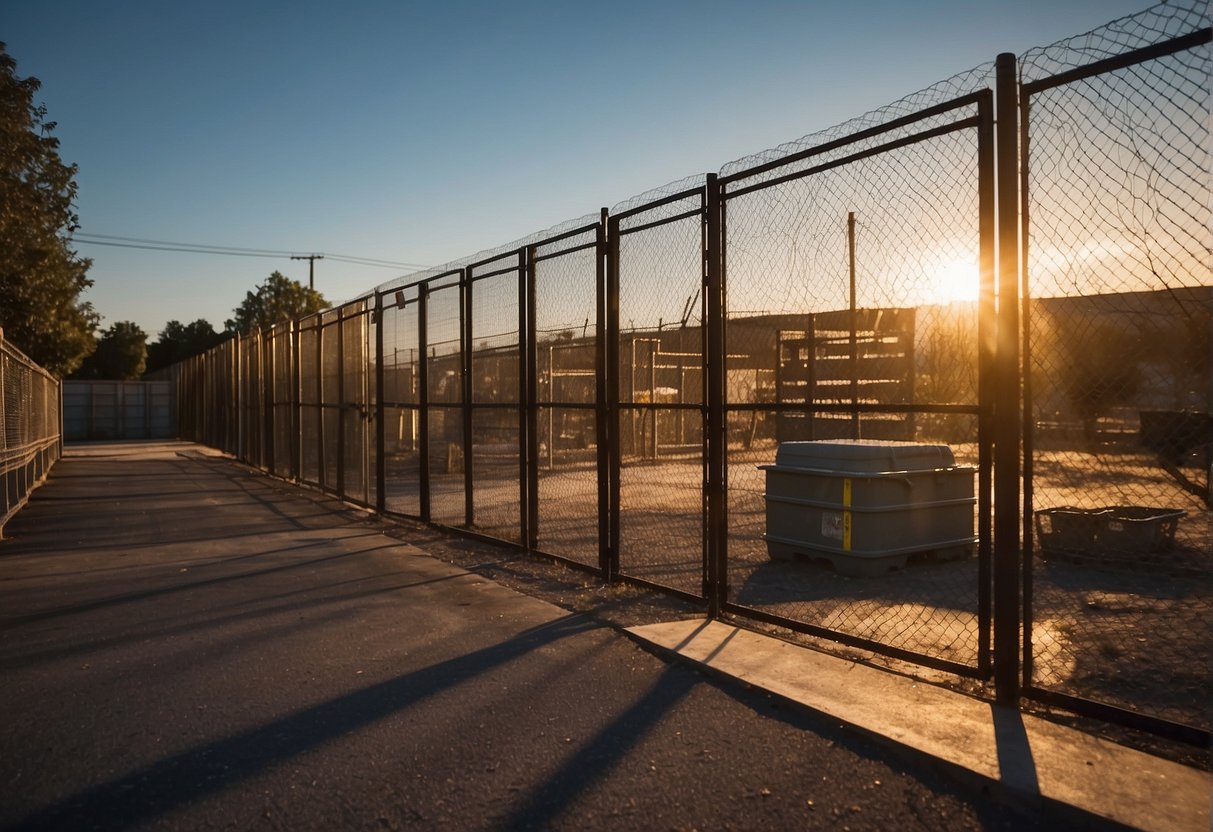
<point>176,248</point>
<point>230,251</point>
<point>269,251</point>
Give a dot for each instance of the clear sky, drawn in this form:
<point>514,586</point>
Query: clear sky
<point>423,132</point>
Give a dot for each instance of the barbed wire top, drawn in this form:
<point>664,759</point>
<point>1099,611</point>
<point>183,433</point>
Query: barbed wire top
<point>1135,31</point>
<point>959,85</point>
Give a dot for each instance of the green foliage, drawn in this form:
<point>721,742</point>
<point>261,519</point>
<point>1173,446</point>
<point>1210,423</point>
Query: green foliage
<point>121,354</point>
<point>276,300</point>
<point>179,341</point>
<point>41,277</point>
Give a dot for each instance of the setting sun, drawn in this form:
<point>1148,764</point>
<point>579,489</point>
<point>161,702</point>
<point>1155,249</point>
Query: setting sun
<point>955,280</point>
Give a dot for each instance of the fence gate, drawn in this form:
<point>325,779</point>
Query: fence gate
<point>656,370</point>
<point>856,308</point>
<point>494,427</point>
<point>356,446</point>
<point>1117,344</point>
<point>567,436</point>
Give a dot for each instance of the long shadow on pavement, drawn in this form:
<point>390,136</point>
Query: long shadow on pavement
<point>309,602</point>
<point>193,585</point>
<point>602,753</point>
<point>152,791</point>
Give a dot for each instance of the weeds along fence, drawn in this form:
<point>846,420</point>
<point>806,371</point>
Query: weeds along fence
<point>1013,263</point>
<point>30,431</point>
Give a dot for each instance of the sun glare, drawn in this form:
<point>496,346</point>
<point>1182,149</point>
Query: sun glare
<point>956,280</point>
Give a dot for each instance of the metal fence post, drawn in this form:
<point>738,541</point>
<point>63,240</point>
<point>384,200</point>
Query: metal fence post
<point>603,428</point>
<point>423,401</point>
<point>380,414</point>
<point>268,349</point>
<point>465,335</point>
<point>1028,556</point>
<point>1006,391</point>
<point>529,395</point>
<point>322,472</point>
<point>58,413</point>
<point>342,404</point>
<point>296,403</point>
<point>717,537</point>
<point>611,407</point>
<point>986,382</point>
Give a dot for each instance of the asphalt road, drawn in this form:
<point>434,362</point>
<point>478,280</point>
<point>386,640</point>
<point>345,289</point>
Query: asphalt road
<point>187,645</point>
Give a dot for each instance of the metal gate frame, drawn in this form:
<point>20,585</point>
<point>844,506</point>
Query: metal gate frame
<point>991,365</point>
<point>616,407</point>
<point>1190,734</point>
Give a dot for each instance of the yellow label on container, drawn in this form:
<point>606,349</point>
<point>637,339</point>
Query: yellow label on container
<point>846,514</point>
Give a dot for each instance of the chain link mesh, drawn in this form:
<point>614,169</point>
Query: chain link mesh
<point>567,340</point>
<point>309,399</point>
<point>805,362</point>
<point>1119,346</point>
<point>496,362</point>
<point>29,427</point>
<point>661,355</point>
<point>356,380</point>
<point>282,398</point>
<point>251,398</point>
<point>445,361</point>
<point>401,396</point>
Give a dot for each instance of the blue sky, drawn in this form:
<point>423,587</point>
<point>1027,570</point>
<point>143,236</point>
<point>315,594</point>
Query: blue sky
<point>424,132</point>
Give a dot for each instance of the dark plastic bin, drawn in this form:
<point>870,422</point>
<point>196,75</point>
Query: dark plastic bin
<point>1129,530</point>
<point>1067,530</point>
<point>1112,530</point>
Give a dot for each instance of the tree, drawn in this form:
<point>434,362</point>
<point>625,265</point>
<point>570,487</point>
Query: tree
<point>41,277</point>
<point>276,300</point>
<point>121,354</point>
<point>179,341</point>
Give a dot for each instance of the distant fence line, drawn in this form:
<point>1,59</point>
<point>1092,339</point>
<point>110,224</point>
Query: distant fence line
<point>102,410</point>
<point>30,436</point>
<point>1013,262</point>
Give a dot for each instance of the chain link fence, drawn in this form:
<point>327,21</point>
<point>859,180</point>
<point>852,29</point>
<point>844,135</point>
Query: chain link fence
<point>658,352</point>
<point>616,392</point>
<point>853,278</point>
<point>1117,345</point>
<point>402,359</point>
<point>569,341</point>
<point>30,427</point>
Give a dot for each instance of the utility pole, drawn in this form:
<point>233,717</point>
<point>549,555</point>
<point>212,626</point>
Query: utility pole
<point>311,267</point>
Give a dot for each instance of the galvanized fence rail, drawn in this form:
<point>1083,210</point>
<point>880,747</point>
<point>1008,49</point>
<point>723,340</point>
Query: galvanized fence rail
<point>31,427</point>
<point>1016,268</point>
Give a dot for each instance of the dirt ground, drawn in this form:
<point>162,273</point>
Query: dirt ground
<point>1134,632</point>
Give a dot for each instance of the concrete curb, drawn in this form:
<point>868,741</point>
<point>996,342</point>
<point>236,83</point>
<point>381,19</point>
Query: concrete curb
<point>1016,758</point>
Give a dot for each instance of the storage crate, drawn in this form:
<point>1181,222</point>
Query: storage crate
<point>1134,530</point>
<point>866,506</point>
<point>1112,530</point>
<point>1067,530</point>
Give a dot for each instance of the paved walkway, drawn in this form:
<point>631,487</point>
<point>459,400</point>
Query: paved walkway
<point>186,644</point>
<point>1024,757</point>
